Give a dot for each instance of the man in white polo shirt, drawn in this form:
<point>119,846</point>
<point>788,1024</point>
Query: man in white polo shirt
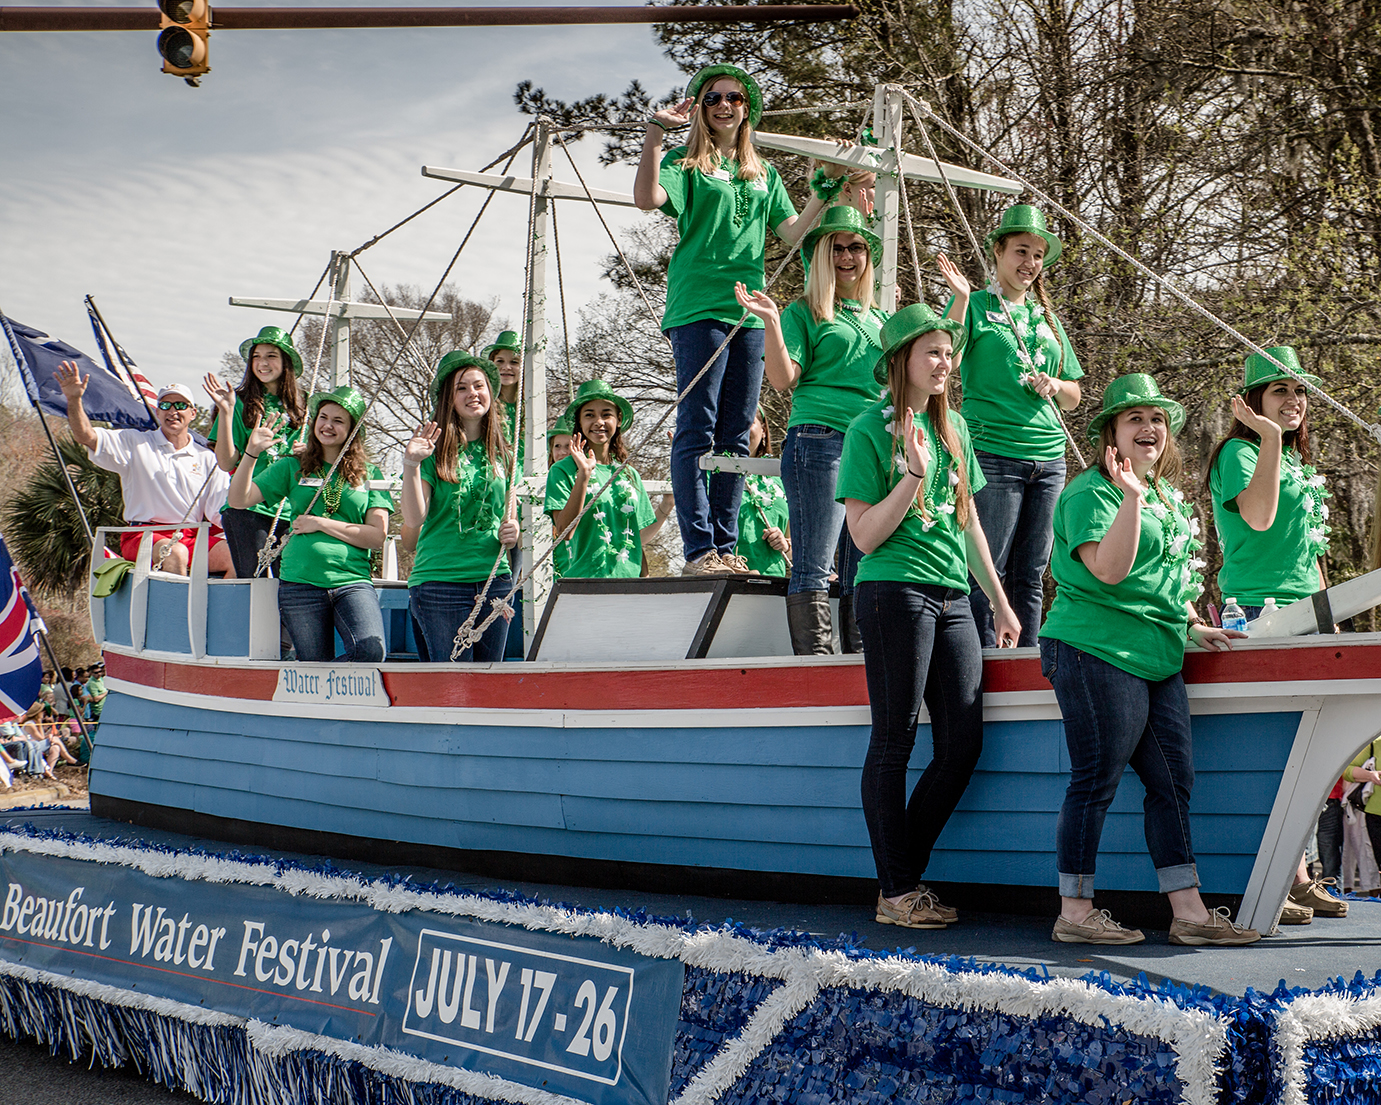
<point>165,476</point>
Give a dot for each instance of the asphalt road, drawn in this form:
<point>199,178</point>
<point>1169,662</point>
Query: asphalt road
<point>30,1076</point>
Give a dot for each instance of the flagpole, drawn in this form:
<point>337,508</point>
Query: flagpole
<point>120,353</point>
<point>21,360</point>
<point>42,635</point>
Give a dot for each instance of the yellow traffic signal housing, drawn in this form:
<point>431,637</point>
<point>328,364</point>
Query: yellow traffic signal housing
<point>185,27</point>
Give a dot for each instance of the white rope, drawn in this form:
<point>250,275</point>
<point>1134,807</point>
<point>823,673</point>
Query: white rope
<point>983,263</point>
<point>1373,429</point>
<point>168,545</point>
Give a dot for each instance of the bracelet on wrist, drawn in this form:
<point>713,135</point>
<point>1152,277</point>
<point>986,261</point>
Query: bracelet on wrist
<point>916,474</point>
<point>826,187</point>
<point>253,456</point>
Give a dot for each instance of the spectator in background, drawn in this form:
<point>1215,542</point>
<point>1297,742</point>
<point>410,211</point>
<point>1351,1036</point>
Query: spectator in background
<point>96,692</point>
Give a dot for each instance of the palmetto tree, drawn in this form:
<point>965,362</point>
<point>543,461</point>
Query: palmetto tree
<point>43,529</point>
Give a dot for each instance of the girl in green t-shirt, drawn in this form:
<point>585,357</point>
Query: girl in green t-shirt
<point>559,448</point>
<point>506,351</point>
<point>1113,647</point>
<point>822,349</point>
<point>455,488</point>
<point>763,521</point>
<point>609,538</point>
<point>269,387</point>
<point>906,480</point>
<point>724,199</point>
<point>1268,502</point>
<point>325,584</point>
<point>1010,380</point>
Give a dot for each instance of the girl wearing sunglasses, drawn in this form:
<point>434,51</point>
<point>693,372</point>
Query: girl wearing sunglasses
<point>724,199</point>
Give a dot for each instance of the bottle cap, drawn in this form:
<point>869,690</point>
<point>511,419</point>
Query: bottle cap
<point>1232,602</point>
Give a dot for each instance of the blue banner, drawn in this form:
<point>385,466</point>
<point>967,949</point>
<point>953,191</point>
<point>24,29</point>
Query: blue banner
<point>569,1015</point>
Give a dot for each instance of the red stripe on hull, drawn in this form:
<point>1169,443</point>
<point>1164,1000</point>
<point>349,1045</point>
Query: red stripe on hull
<point>796,684</point>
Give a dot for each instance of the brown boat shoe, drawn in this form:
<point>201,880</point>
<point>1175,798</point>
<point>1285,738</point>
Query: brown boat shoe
<point>1318,896</point>
<point>1292,913</point>
<point>1097,928</point>
<point>1219,931</point>
<point>949,913</point>
<point>914,911</point>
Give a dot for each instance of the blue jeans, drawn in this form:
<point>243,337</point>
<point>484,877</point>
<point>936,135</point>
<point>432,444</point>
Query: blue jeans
<point>919,644</point>
<point>714,417</point>
<point>440,608</point>
<point>810,467</point>
<point>314,614</point>
<point>1111,719</point>
<point>1017,511</point>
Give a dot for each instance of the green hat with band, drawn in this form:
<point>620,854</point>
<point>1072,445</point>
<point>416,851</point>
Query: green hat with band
<point>1136,389</point>
<point>910,323</point>
<point>275,336</point>
<point>507,340</point>
<point>1022,218</point>
<point>1258,370</point>
<point>711,73</point>
<point>561,426</point>
<point>458,359</point>
<point>591,390</point>
<point>345,397</point>
<point>840,219</point>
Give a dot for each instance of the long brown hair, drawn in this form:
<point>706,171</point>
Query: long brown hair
<point>446,416</point>
<point>703,154</point>
<point>251,391</point>
<point>354,464</point>
<point>1043,296</point>
<point>937,410</point>
<point>617,449</point>
<point>1297,438</point>
<point>1169,465</point>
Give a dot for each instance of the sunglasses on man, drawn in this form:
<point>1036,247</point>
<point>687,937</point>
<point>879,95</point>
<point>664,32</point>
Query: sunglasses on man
<point>173,404</point>
<point>712,98</point>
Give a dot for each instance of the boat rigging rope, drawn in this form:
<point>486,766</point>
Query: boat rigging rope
<point>1373,429</point>
<point>274,548</point>
<point>168,544</point>
<point>988,274</point>
<point>561,290</point>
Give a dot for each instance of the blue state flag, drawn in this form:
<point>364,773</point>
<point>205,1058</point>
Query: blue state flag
<point>108,398</point>
<point>21,667</point>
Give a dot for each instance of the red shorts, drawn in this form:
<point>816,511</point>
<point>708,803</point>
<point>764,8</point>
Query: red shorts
<point>129,542</point>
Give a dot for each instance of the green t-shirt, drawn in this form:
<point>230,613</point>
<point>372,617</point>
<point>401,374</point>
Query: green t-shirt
<point>1282,562</point>
<point>95,687</point>
<point>764,504</point>
<point>319,558</point>
<point>920,550</point>
<point>607,541</point>
<point>1140,624</point>
<point>1005,416</point>
<point>459,541</point>
<point>836,359</point>
<point>281,446</point>
<point>723,224</point>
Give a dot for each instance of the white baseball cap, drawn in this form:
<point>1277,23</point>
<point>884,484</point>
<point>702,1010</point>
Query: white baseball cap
<point>177,389</point>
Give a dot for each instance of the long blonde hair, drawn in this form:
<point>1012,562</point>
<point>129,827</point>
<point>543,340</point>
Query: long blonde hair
<point>703,154</point>
<point>452,438</point>
<point>820,285</point>
<point>937,410</point>
<point>1043,296</point>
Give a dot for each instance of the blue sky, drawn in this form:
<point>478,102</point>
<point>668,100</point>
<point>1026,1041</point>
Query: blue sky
<point>161,200</point>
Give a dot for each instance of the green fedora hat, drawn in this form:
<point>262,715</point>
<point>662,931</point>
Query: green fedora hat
<point>1136,389</point>
<point>561,426</point>
<point>458,359</point>
<point>840,219</point>
<point>344,396</point>
<point>507,340</point>
<point>911,322</point>
<point>1022,218</point>
<point>711,73</point>
<point>1257,370</point>
<point>276,336</point>
<point>591,390</point>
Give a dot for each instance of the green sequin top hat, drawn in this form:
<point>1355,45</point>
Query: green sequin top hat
<point>1258,370</point>
<point>591,390</point>
<point>1022,218</point>
<point>458,359</point>
<point>1136,389</point>
<point>344,396</point>
<point>711,73</point>
<point>507,340</point>
<point>276,336</point>
<point>840,219</point>
<point>561,426</point>
<point>911,322</point>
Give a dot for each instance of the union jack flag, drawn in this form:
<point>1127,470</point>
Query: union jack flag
<point>21,668</point>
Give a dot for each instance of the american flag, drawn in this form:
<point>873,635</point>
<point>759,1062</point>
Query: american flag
<point>21,668</point>
<point>145,389</point>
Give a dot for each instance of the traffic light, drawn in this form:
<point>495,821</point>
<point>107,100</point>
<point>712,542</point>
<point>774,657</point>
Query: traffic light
<point>184,29</point>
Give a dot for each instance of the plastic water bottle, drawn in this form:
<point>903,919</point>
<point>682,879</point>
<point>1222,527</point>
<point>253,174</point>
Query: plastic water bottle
<point>1269,608</point>
<point>1233,618</point>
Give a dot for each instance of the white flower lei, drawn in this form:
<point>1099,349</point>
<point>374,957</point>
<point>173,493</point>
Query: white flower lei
<point>1313,494</point>
<point>617,507</point>
<point>1033,359</point>
<point>936,505</point>
<point>1180,530</point>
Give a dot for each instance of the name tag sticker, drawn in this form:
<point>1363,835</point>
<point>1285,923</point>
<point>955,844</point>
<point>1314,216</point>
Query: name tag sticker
<point>353,686</point>
<point>721,174</point>
<point>760,185</point>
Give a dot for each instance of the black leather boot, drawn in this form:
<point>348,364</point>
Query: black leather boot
<point>850,640</point>
<point>808,620</point>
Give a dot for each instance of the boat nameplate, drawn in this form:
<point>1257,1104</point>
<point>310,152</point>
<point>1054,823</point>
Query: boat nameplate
<point>348,684</point>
